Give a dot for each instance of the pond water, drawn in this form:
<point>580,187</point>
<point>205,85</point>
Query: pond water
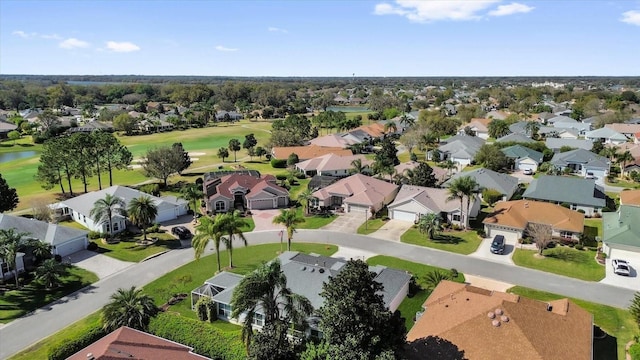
<point>5,157</point>
<point>348,108</point>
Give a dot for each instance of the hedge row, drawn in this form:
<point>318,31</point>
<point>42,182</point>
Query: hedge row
<point>201,336</point>
<point>278,163</point>
<point>70,347</point>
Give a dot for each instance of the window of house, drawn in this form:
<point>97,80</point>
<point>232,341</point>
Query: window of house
<point>224,310</point>
<point>566,234</point>
<point>107,228</point>
<point>115,226</point>
<point>5,267</point>
<point>220,206</point>
<point>455,217</point>
<point>258,319</point>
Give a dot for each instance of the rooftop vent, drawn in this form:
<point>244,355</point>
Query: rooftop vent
<point>90,356</point>
<point>491,315</point>
<point>549,307</point>
<point>495,323</point>
<point>321,271</point>
<point>312,269</point>
<point>498,311</point>
<point>303,268</point>
<point>504,318</point>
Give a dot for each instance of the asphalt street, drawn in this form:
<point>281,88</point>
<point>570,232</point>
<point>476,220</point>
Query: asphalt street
<point>21,333</point>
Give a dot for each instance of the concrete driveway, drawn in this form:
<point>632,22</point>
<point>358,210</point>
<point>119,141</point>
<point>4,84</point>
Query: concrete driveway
<point>629,282</point>
<point>264,219</point>
<point>101,265</point>
<point>484,252</point>
<point>392,230</point>
<point>184,220</point>
<point>346,223</point>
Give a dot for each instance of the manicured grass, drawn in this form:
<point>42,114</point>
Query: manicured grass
<point>593,227</point>
<point>252,225</point>
<point>128,250</point>
<point>16,303</point>
<point>370,226</point>
<point>314,221</point>
<point>72,224</point>
<point>245,259</point>
<point>411,305</point>
<point>562,260</point>
<point>461,242</point>
<point>616,322</point>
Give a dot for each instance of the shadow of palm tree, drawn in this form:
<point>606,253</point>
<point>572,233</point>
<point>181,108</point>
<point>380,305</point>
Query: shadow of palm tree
<point>447,239</point>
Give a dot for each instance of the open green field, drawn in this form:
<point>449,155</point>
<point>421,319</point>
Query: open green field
<point>461,242</point>
<point>561,260</point>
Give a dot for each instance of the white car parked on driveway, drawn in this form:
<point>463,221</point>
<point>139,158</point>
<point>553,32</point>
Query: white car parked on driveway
<point>621,267</point>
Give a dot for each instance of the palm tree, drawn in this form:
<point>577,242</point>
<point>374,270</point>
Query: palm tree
<point>289,218</point>
<point>407,121</point>
<point>429,224</point>
<point>231,224</point>
<point>449,165</point>
<point>41,250</point>
<point>305,198</point>
<point>50,272</point>
<point>433,278</point>
<point>104,209</point>
<point>266,289</point>
<point>128,307</point>
<point>209,229</point>
<point>193,194</point>
<point>461,188</point>
<point>623,159</point>
<point>634,308</point>
<point>142,212</point>
<point>430,141</point>
<point>390,127</point>
<point>532,128</point>
<point>357,167</point>
<point>12,242</point>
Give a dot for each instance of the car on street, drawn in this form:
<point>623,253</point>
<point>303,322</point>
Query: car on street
<point>497,245</point>
<point>181,232</point>
<point>527,172</point>
<point>621,267</point>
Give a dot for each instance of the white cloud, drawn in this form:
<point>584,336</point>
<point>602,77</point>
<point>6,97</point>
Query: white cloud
<point>275,29</point>
<point>428,11</point>
<point>51,36</point>
<point>631,17</point>
<point>123,46</point>
<point>73,43</point>
<point>513,8</point>
<point>225,49</point>
<point>20,33</point>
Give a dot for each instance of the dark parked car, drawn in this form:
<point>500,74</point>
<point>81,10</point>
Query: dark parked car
<point>181,232</point>
<point>497,246</point>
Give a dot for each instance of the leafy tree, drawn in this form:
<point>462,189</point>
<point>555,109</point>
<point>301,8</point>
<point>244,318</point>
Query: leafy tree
<point>292,159</point>
<point>429,224</point>
<point>81,146</point>
<point>433,347</point>
<point>163,161</point>
<point>223,153</point>
<point>266,290</point>
<point>354,320</point>
<point>386,158</point>
<point>12,242</point>
<point>186,160</point>
<point>8,196</point>
<point>421,175</point>
<point>491,196</point>
<point>249,141</point>
<point>128,307</point>
<point>290,219</point>
<point>305,198</point>
<point>56,163</point>
<point>104,209</point>
<point>463,187</point>
<point>232,224</point>
<point>498,128</point>
<point>142,212</point>
<point>49,273</point>
<point>13,136</point>
<point>260,152</point>
<point>491,157</point>
<point>293,130</point>
<point>234,145</point>
<point>48,120</point>
<point>209,229</point>
<point>566,148</point>
<point>193,194</point>
<point>125,122</point>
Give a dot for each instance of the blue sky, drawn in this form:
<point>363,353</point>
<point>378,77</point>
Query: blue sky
<point>321,38</point>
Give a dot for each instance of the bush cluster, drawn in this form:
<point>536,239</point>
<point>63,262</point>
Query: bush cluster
<point>72,346</point>
<point>278,163</point>
<point>201,336</point>
<point>92,246</point>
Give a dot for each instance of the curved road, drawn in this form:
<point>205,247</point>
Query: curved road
<point>21,333</point>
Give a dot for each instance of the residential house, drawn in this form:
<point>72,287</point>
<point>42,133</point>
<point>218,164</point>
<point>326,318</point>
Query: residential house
<point>478,126</point>
<point>560,119</point>
<point>489,179</point>
<point>63,240</point>
<point>606,136</point>
<point>461,149</point>
<point>412,202</point>
<point>634,149</point>
<point>332,165</point>
<point>357,193</point>
<point>487,324</point>
<point>497,114</point>
<point>568,123</point>
<point>628,130</point>
<point>226,192</point>
<point>512,218</point>
<point>307,152</point>
<point>577,193</point>
<point>545,116</point>
<point>523,157</point>
<point>333,140</point>
<point>516,138</point>
<point>6,128</point>
<point>583,163</point>
<point>92,126</point>
<point>305,275</point>
<point>556,144</point>
<point>79,208</point>
<point>128,343</point>
<point>630,197</point>
<point>621,233</point>
<point>228,116</point>
<point>567,133</point>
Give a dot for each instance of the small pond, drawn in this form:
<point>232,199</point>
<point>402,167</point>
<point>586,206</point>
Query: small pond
<point>5,157</point>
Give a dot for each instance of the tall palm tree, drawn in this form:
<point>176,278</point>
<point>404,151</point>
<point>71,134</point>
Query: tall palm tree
<point>41,250</point>
<point>12,242</point>
<point>357,167</point>
<point>289,218</point>
<point>104,209</point>
<point>461,188</point>
<point>50,272</point>
<point>193,194</point>
<point>623,159</point>
<point>128,307</point>
<point>305,198</point>
<point>266,289</point>
<point>390,127</point>
<point>142,212</point>
<point>232,224</point>
<point>209,229</point>
<point>429,224</point>
<point>449,165</point>
<point>532,128</point>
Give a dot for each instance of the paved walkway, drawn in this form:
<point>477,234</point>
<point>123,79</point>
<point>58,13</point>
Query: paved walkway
<point>21,333</point>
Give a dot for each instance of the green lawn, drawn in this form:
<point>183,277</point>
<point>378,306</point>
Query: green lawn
<point>616,322</point>
<point>128,250</point>
<point>314,221</point>
<point>461,242</point>
<point>562,260</point>
<point>370,226</point>
<point>593,227</point>
<point>16,303</point>
<point>411,305</point>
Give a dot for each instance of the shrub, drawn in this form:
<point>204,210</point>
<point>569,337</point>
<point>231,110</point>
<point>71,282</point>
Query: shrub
<point>57,258</point>
<point>579,247</point>
<point>72,346</point>
<point>151,189</point>
<point>95,235</point>
<point>454,273</point>
<point>278,163</point>
<point>202,308</point>
<point>301,176</point>
<point>491,196</point>
<point>634,351</point>
<point>581,211</point>
<point>481,233</point>
<point>205,339</point>
<point>154,228</point>
<point>413,157</point>
<point>92,246</point>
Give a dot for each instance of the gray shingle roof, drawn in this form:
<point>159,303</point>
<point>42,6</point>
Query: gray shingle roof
<point>50,233</point>
<point>519,138</point>
<point>564,189</point>
<point>557,143</point>
<point>462,146</point>
<point>489,179</point>
<point>519,152</point>
<point>580,156</point>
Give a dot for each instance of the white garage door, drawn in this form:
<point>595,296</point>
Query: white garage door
<point>525,166</point>
<point>509,236</point>
<point>356,208</point>
<point>403,215</point>
<point>166,215</point>
<point>70,247</point>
